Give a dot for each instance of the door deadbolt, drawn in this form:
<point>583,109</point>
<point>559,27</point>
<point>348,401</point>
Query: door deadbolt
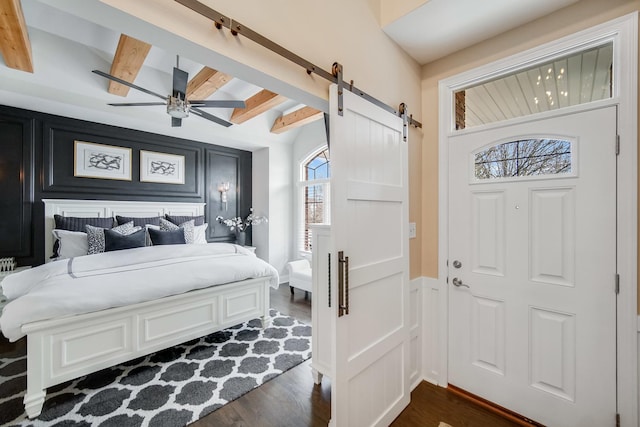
<point>457,264</point>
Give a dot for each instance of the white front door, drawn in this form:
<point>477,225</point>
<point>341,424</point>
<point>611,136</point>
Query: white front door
<point>532,267</point>
<point>369,225</point>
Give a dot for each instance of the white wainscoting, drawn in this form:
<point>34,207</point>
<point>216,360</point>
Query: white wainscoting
<point>415,341</point>
<point>431,319</point>
<point>430,324</point>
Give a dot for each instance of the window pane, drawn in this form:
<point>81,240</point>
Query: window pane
<point>318,167</point>
<point>314,210</point>
<point>528,157</point>
<point>575,79</point>
<point>315,196</point>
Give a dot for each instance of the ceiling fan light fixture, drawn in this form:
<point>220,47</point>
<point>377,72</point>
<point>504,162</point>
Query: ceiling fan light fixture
<point>177,108</point>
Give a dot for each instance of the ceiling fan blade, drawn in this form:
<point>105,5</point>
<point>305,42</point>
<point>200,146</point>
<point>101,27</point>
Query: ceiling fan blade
<point>126,83</point>
<point>218,104</point>
<point>211,117</point>
<point>136,104</point>
<point>176,122</point>
<point>180,79</point>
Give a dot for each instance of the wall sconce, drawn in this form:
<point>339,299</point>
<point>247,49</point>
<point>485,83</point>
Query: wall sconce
<point>223,188</point>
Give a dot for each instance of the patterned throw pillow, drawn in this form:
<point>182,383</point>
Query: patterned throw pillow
<point>181,219</point>
<point>138,221</point>
<point>188,227</point>
<point>95,236</point>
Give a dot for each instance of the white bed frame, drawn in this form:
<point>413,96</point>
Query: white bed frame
<point>62,349</point>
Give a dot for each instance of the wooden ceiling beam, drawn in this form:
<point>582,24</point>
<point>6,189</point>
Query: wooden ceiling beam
<point>14,37</point>
<point>127,61</point>
<point>296,119</point>
<point>206,82</point>
<point>257,104</point>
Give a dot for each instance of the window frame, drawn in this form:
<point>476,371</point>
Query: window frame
<point>302,184</point>
<point>542,97</point>
<point>575,167</point>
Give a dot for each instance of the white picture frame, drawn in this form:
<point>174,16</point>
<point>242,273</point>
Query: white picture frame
<point>161,167</point>
<point>93,160</point>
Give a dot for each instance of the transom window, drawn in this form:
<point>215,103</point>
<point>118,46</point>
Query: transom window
<point>314,183</point>
<point>527,157</point>
<point>575,79</point>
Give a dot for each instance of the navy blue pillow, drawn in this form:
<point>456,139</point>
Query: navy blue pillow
<point>173,237</point>
<point>179,219</point>
<point>73,223</point>
<point>114,241</point>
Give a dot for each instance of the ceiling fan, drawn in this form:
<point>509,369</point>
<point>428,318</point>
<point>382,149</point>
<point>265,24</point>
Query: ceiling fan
<point>178,106</point>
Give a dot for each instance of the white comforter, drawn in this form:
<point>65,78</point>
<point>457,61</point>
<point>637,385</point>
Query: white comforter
<point>113,279</point>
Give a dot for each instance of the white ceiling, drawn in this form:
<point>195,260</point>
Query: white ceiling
<point>440,27</point>
<point>67,44</point>
<point>66,48</point>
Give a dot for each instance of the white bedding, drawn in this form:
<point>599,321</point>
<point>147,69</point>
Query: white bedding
<point>96,282</point>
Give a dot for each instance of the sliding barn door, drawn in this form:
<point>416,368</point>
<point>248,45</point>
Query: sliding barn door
<point>370,249</point>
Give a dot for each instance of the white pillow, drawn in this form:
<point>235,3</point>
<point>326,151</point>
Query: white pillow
<point>71,243</point>
<point>199,234</point>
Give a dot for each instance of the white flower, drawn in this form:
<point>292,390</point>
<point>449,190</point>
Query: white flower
<point>242,224</point>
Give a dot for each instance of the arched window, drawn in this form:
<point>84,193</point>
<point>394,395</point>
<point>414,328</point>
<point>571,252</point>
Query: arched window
<point>314,195</point>
<point>523,158</point>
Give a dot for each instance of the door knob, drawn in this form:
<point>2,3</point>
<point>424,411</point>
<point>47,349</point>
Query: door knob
<point>457,264</point>
<point>457,282</point>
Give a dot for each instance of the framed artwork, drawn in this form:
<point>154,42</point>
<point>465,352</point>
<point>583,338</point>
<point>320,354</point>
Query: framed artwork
<point>93,160</point>
<point>161,167</point>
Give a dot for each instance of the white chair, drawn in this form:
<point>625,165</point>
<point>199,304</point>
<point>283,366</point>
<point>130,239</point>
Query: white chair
<point>300,276</point>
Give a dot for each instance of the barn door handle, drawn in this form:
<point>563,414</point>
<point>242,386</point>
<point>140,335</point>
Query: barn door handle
<point>343,284</point>
<point>329,277</point>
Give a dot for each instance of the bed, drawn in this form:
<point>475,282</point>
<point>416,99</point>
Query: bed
<point>67,346</point>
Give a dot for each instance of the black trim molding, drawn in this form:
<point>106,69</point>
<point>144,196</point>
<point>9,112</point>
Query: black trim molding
<point>42,145</point>
<point>16,185</point>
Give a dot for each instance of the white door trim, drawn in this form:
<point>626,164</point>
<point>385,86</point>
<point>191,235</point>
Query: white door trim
<point>623,32</point>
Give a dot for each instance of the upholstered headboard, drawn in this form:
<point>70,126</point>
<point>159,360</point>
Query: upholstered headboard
<point>109,208</point>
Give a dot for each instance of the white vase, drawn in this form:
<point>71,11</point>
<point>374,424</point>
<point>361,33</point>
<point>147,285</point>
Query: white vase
<point>241,237</point>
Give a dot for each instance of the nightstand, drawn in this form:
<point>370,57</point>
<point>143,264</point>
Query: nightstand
<point>4,274</point>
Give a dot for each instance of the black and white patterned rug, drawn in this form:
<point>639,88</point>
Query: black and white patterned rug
<point>172,387</point>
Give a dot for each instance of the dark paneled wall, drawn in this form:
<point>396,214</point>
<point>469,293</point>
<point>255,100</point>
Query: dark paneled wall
<point>37,162</point>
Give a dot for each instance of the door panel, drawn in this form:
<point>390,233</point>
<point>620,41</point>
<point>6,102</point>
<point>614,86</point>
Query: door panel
<point>487,214</point>
<point>532,306</point>
<point>553,352</point>
<point>552,234</point>
<point>487,338</point>
<point>369,191</point>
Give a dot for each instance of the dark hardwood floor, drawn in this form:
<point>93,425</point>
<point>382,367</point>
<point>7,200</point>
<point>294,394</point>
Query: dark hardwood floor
<point>290,399</point>
<point>293,400</point>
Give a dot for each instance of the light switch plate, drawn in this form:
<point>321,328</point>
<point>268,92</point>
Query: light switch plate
<point>412,230</point>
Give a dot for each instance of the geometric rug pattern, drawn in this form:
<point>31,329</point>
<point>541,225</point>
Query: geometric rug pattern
<point>172,387</point>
